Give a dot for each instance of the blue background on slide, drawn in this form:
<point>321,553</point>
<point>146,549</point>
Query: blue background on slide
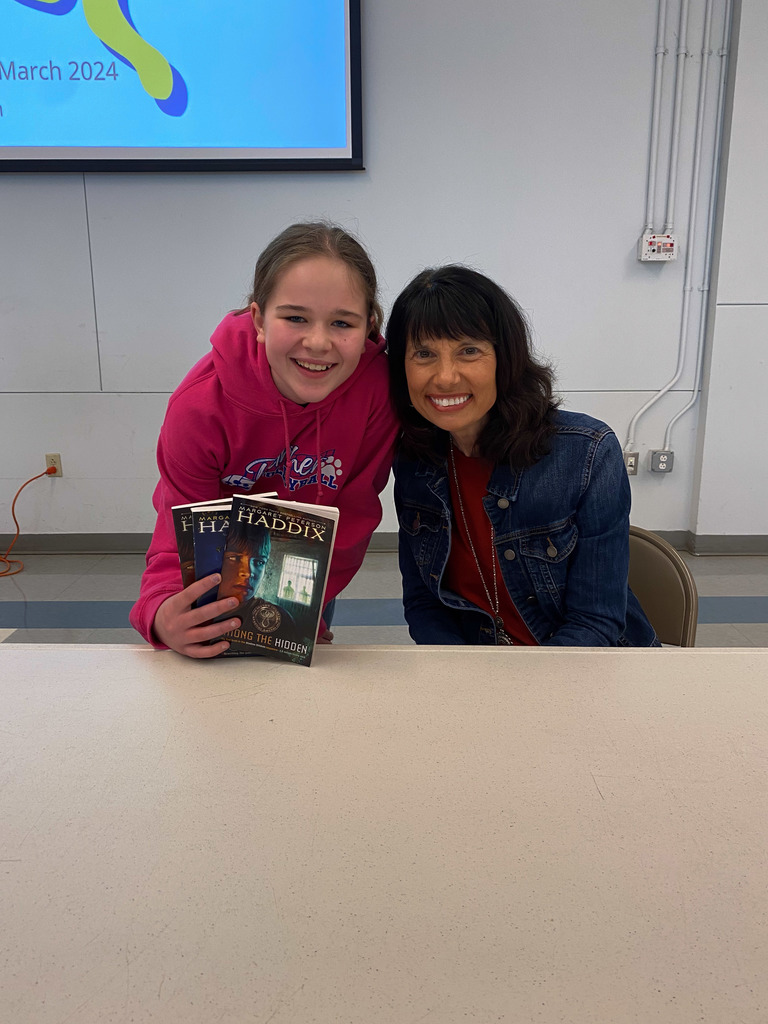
<point>259,73</point>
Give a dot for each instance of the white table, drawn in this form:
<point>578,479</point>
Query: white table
<point>394,835</point>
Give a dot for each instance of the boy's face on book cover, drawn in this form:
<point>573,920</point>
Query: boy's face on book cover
<point>241,574</point>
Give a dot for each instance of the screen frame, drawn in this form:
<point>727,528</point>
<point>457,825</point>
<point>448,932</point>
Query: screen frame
<point>352,162</point>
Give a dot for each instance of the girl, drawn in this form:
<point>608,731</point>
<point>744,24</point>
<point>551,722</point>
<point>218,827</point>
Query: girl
<point>292,398</point>
<point>514,515</point>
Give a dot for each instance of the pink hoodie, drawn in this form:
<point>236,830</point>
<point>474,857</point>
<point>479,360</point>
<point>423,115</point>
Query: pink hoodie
<point>227,430</point>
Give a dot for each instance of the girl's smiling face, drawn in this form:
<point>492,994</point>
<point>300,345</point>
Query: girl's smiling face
<point>453,385</point>
<point>313,328</point>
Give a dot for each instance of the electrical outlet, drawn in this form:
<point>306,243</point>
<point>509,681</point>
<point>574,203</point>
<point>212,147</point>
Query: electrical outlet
<point>54,460</point>
<point>662,461</point>
<point>631,460</point>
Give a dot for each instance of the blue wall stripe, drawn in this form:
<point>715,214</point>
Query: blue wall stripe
<point>114,614</point>
<point>733,609</point>
<point>349,612</point>
<point>369,611</point>
<point>65,614</point>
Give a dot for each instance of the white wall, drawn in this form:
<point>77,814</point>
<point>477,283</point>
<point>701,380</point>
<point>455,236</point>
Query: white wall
<point>734,463</point>
<point>513,137</point>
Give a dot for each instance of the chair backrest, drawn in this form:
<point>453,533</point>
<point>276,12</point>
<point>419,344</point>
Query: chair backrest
<point>664,586</point>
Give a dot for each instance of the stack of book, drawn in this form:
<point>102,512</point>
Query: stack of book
<point>273,556</point>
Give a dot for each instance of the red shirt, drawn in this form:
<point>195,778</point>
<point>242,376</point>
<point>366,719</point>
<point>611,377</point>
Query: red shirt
<point>461,573</point>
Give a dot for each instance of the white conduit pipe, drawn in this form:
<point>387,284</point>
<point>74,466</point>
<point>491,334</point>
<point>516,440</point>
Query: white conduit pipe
<point>681,53</point>
<point>653,153</point>
<point>674,153</point>
<point>707,275</point>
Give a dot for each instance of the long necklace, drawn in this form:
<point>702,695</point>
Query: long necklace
<point>503,639</point>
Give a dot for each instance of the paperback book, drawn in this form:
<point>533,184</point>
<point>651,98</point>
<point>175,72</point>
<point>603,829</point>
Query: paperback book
<point>209,532</point>
<point>275,562</point>
<point>184,530</point>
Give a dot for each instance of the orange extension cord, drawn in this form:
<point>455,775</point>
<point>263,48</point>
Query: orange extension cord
<point>15,561</point>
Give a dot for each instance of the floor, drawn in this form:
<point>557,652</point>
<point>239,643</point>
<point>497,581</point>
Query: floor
<point>86,599</point>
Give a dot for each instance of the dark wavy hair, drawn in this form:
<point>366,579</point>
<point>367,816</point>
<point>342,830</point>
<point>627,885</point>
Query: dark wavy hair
<point>454,302</point>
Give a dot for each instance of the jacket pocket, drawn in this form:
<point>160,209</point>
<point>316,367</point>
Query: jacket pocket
<point>546,552</point>
<point>421,528</point>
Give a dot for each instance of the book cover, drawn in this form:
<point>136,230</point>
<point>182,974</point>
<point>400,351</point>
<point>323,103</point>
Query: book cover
<point>276,563</point>
<point>184,530</point>
<point>210,523</point>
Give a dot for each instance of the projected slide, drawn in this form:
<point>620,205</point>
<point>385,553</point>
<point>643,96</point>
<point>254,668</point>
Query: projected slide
<point>270,77</point>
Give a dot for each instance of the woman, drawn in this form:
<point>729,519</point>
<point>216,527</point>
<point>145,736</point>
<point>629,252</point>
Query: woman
<point>514,515</point>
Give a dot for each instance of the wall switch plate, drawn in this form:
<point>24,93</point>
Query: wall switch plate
<point>631,460</point>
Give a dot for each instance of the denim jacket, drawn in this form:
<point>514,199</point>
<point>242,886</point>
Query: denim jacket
<point>562,540</point>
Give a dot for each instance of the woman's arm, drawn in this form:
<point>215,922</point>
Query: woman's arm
<point>595,599</point>
<point>429,620</point>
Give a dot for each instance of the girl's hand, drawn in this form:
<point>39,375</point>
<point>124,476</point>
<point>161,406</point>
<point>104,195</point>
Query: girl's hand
<point>186,629</point>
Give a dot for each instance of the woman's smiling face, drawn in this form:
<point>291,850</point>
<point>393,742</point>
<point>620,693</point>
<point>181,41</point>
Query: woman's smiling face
<point>453,385</point>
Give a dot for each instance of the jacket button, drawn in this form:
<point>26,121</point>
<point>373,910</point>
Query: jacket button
<point>509,554</point>
<point>502,503</point>
<point>531,599</point>
<point>551,550</point>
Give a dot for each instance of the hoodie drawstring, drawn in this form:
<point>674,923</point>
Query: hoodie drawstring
<point>288,460</point>
<point>287,442</point>
<point>319,449</point>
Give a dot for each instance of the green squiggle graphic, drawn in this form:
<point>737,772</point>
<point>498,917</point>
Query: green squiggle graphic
<point>107,22</point>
